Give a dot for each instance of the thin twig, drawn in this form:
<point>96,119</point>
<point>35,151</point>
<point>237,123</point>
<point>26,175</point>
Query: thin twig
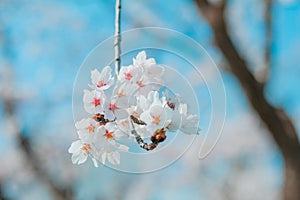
<point>156,138</point>
<point>268,48</point>
<point>117,43</point>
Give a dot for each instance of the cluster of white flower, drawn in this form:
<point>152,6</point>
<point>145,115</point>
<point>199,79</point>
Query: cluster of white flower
<point>115,116</point>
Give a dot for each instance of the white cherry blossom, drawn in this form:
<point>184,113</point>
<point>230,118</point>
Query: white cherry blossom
<point>116,108</point>
<point>147,84</point>
<point>142,61</point>
<point>133,104</point>
<point>130,74</point>
<point>190,123</point>
<point>150,69</point>
<point>124,89</point>
<point>81,151</point>
<point>93,101</point>
<point>173,119</point>
<point>155,117</point>
<point>154,71</point>
<point>107,145</point>
<point>103,80</point>
<point>87,129</point>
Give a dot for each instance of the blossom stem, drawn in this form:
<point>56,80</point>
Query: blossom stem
<point>117,41</point>
<point>140,140</point>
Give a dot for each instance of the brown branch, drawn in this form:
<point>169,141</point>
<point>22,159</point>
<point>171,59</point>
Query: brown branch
<point>2,195</point>
<point>158,137</point>
<point>276,120</point>
<point>268,45</point>
<point>10,102</point>
<point>278,123</point>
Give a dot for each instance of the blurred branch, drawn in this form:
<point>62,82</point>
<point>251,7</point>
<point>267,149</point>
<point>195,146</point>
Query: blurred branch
<point>276,120</point>
<point>10,100</point>
<point>2,195</point>
<point>32,158</point>
<point>268,48</point>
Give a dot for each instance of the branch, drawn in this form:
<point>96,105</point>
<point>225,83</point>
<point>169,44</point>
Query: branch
<point>117,43</point>
<point>158,137</point>
<point>9,104</point>
<point>278,123</point>
<point>268,45</point>
<point>2,195</point>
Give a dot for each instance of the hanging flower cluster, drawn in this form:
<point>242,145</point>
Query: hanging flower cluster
<point>133,110</point>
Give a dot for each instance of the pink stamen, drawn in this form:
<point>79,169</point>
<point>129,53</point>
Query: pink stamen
<point>96,102</point>
<point>128,76</point>
<point>140,83</point>
<point>91,128</point>
<point>86,147</point>
<point>101,84</point>
<point>112,107</point>
<point>121,94</point>
<point>156,119</point>
<point>109,135</point>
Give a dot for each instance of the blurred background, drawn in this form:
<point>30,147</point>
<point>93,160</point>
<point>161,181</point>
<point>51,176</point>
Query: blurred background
<point>43,44</point>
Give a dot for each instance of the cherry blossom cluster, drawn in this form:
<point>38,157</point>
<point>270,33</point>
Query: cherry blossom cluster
<point>130,107</point>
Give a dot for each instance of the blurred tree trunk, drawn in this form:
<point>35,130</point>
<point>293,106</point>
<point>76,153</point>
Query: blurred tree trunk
<point>276,120</point>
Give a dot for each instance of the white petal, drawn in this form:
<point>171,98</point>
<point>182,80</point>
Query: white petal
<point>114,157</point>
<point>141,56</point>
<point>106,74</point>
<point>95,162</point>
<point>121,114</point>
<point>156,110</point>
<point>95,74</point>
<point>111,127</point>
<point>122,102</point>
<point>109,115</point>
<point>190,124</point>
<point>82,124</point>
<point>82,158</point>
<point>75,146</point>
<point>183,109</point>
<point>119,134</point>
<point>123,148</point>
<point>103,156</point>
<point>75,158</point>
<point>154,71</point>
<point>143,103</point>
<point>146,117</point>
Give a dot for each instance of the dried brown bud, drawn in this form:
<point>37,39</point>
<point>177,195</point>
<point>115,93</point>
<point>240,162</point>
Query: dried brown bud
<point>171,105</point>
<point>100,118</point>
<point>158,136</point>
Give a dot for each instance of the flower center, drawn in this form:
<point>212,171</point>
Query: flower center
<point>128,76</point>
<point>140,83</point>
<point>101,83</point>
<point>124,123</point>
<point>121,94</point>
<point>86,148</point>
<point>91,128</point>
<point>109,135</point>
<point>156,119</point>
<point>112,107</point>
<point>96,102</point>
